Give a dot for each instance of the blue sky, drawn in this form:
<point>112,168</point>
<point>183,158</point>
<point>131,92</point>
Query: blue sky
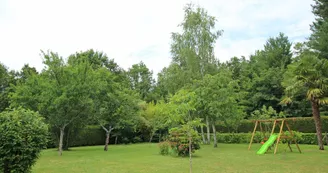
<point>132,31</point>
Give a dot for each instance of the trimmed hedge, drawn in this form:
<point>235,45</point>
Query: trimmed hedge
<point>94,135</point>
<point>89,136</point>
<point>302,124</point>
<point>237,138</point>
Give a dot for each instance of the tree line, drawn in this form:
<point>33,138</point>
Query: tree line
<point>88,88</point>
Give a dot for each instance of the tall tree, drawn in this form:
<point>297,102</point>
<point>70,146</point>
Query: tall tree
<point>61,93</point>
<point>115,106</point>
<point>308,77</point>
<point>95,58</point>
<point>180,110</point>
<point>193,49</point>
<point>142,81</point>
<point>100,60</point>
<point>155,118</point>
<point>319,37</point>
<point>217,96</point>
<point>6,79</point>
<point>242,74</point>
<point>267,69</point>
<point>26,72</point>
<point>171,79</point>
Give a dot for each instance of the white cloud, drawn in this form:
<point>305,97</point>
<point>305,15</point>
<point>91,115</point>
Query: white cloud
<point>132,31</point>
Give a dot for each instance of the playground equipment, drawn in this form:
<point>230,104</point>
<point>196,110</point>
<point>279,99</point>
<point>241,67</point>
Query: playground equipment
<point>274,137</point>
<point>267,144</point>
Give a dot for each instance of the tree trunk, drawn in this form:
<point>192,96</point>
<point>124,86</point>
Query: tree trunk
<point>151,136</point>
<point>203,136</point>
<point>107,135</point>
<point>190,161</point>
<point>107,141</point>
<point>60,149</point>
<point>214,136</point>
<point>208,130</point>
<point>116,139</point>
<point>317,120</point>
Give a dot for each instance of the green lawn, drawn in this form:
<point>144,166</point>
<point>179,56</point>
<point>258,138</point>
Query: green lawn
<point>145,158</point>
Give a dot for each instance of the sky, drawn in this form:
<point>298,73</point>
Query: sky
<point>131,31</point>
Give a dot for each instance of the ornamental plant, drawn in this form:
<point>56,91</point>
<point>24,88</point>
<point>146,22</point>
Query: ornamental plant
<point>23,136</point>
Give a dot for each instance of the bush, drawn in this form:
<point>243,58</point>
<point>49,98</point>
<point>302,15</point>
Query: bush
<point>23,136</point>
<point>125,140</point>
<point>301,124</point>
<point>164,148</point>
<point>88,136</point>
<point>179,142</point>
<point>301,138</point>
<point>137,139</point>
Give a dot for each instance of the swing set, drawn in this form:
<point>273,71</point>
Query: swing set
<point>274,138</point>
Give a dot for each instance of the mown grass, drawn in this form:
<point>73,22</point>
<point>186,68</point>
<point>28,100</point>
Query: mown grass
<point>142,158</point>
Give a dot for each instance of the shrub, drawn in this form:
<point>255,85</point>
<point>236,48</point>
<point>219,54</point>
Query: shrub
<point>88,136</point>
<point>23,135</point>
<point>164,148</point>
<point>137,139</point>
<point>301,138</point>
<point>179,141</point>
<point>308,138</point>
<point>125,140</point>
<point>301,124</point>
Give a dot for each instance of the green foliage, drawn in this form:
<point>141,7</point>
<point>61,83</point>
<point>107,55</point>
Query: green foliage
<point>164,147</point>
<point>142,81</point>
<point>6,79</point>
<point>77,136</point>
<point>114,104</point>
<point>238,138</point>
<point>154,117</point>
<point>308,138</point>
<point>136,139</point>
<point>62,93</point>
<point>192,50</point>
<point>307,77</point>
<point>301,124</point>
<point>179,141</point>
<point>181,106</point>
<point>172,73</point>
<point>319,28</point>
<point>23,135</point>
<point>266,72</point>
<point>217,97</point>
<point>266,113</point>
<point>88,136</point>
<point>89,89</point>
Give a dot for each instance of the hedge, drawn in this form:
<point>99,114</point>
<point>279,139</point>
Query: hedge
<point>237,138</point>
<point>92,135</point>
<point>302,124</point>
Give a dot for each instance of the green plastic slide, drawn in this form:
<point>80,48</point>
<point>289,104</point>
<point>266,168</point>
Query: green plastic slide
<point>267,144</point>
